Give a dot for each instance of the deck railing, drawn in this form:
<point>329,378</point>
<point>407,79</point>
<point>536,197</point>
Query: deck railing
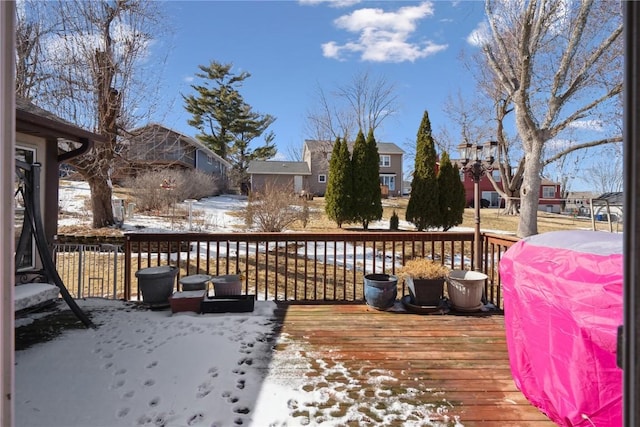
<point>91,270</point>
<point>308,266</point>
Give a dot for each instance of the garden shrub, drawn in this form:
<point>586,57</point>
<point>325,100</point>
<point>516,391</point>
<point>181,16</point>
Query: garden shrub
<point>274,208</point>
<point>160,189</point>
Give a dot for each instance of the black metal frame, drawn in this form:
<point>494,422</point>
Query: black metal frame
<point>29,178</point>
<point>630,344</point>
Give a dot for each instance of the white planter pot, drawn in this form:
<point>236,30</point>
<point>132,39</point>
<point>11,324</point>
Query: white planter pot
<point>226,285</point>
<point>465,289</point>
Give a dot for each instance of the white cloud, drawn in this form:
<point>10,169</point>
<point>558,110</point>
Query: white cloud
<point>558,144</point>
<point>480,35</point>
<point>63,49</point>
<point>593,125</point>
<point>384,36</point>
<point>331,3</point>
<point>188,79</point>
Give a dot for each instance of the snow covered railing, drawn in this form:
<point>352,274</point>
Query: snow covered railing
<point>303,266</point>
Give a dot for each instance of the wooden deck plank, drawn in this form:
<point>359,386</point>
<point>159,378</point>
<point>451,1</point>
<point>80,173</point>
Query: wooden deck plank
<point>456,367</point>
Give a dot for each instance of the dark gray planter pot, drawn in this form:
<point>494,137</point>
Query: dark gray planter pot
<point>425,292</point>
<point>156,284</point>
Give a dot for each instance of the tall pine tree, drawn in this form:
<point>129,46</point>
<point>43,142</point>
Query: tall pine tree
<point>452,196</point>
<point>227,124</point>
<point>423,208</point>
<point>339,192</point>
<point>367,197</point>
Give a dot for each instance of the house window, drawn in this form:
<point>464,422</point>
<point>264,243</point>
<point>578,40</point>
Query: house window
<point>26,258</point>
<point>461,175</point>
<point>389,181</point>
<point>322,178</point>
<point>548,192</point>
<point>385,161</point>
<point>209,160</point>
<point>496,176</point>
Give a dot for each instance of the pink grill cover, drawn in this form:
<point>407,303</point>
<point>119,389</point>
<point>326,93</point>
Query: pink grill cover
<point>563,305</point>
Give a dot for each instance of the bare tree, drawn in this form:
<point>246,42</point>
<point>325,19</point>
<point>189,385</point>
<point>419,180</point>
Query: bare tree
<point>605,174</point>
<point>362,104</point>
<point>484,120</point>
<point>560,64</point>
<point>33,25</point>
<point>95,72</point>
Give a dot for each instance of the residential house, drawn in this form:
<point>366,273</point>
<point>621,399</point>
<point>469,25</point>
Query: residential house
<point>293,176</point>
<point>579,203</point>
<point>156,145</point>
<point>488,195</point>
<point>47,139</point>
<point>549,193</point>
<point>318,153</point>
<point>550,196</point>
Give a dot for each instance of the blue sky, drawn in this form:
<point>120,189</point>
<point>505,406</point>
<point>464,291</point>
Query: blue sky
<point>291,47</point>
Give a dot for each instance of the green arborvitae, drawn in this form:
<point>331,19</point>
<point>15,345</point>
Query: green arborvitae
<point>227,124</point>
<point>339,186</point>
<point>394,222</point>
<point>452,196</point>
<point>367,197</point>
<point>423,209</point>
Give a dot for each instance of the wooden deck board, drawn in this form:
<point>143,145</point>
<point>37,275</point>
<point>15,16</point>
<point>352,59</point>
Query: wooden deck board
<point>455,366</point>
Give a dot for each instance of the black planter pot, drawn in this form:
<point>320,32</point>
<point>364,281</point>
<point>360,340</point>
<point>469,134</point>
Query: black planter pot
<point>425,292</point>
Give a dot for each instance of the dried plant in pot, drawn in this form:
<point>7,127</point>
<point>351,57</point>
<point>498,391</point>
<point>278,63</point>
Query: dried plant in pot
<point>425,279</point>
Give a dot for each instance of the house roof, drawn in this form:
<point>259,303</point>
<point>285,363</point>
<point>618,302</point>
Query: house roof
<point>545,181</point>
<point>383,147</point>
<point>188,139</point>
<point>274,167</point>
<point>33,120</point>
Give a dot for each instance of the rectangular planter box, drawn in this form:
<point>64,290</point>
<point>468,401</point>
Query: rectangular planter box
<point>187,301</point>
<point>228,304</point>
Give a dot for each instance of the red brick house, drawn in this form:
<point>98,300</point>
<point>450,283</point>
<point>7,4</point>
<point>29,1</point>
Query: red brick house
<point>550,197</point>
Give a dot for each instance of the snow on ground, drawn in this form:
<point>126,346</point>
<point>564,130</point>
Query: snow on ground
<point>152,368</point>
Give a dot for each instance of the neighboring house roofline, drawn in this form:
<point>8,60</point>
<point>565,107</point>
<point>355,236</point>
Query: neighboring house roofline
<point>275,167</point>
<point>383,147</point>
<point>191,140</point>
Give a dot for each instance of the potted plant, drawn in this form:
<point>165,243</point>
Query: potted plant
<point>425,279</point>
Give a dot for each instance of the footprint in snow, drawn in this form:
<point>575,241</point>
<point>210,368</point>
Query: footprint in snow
<point>195,419</point>
<point>204,389</point>
<point>123,412</point>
